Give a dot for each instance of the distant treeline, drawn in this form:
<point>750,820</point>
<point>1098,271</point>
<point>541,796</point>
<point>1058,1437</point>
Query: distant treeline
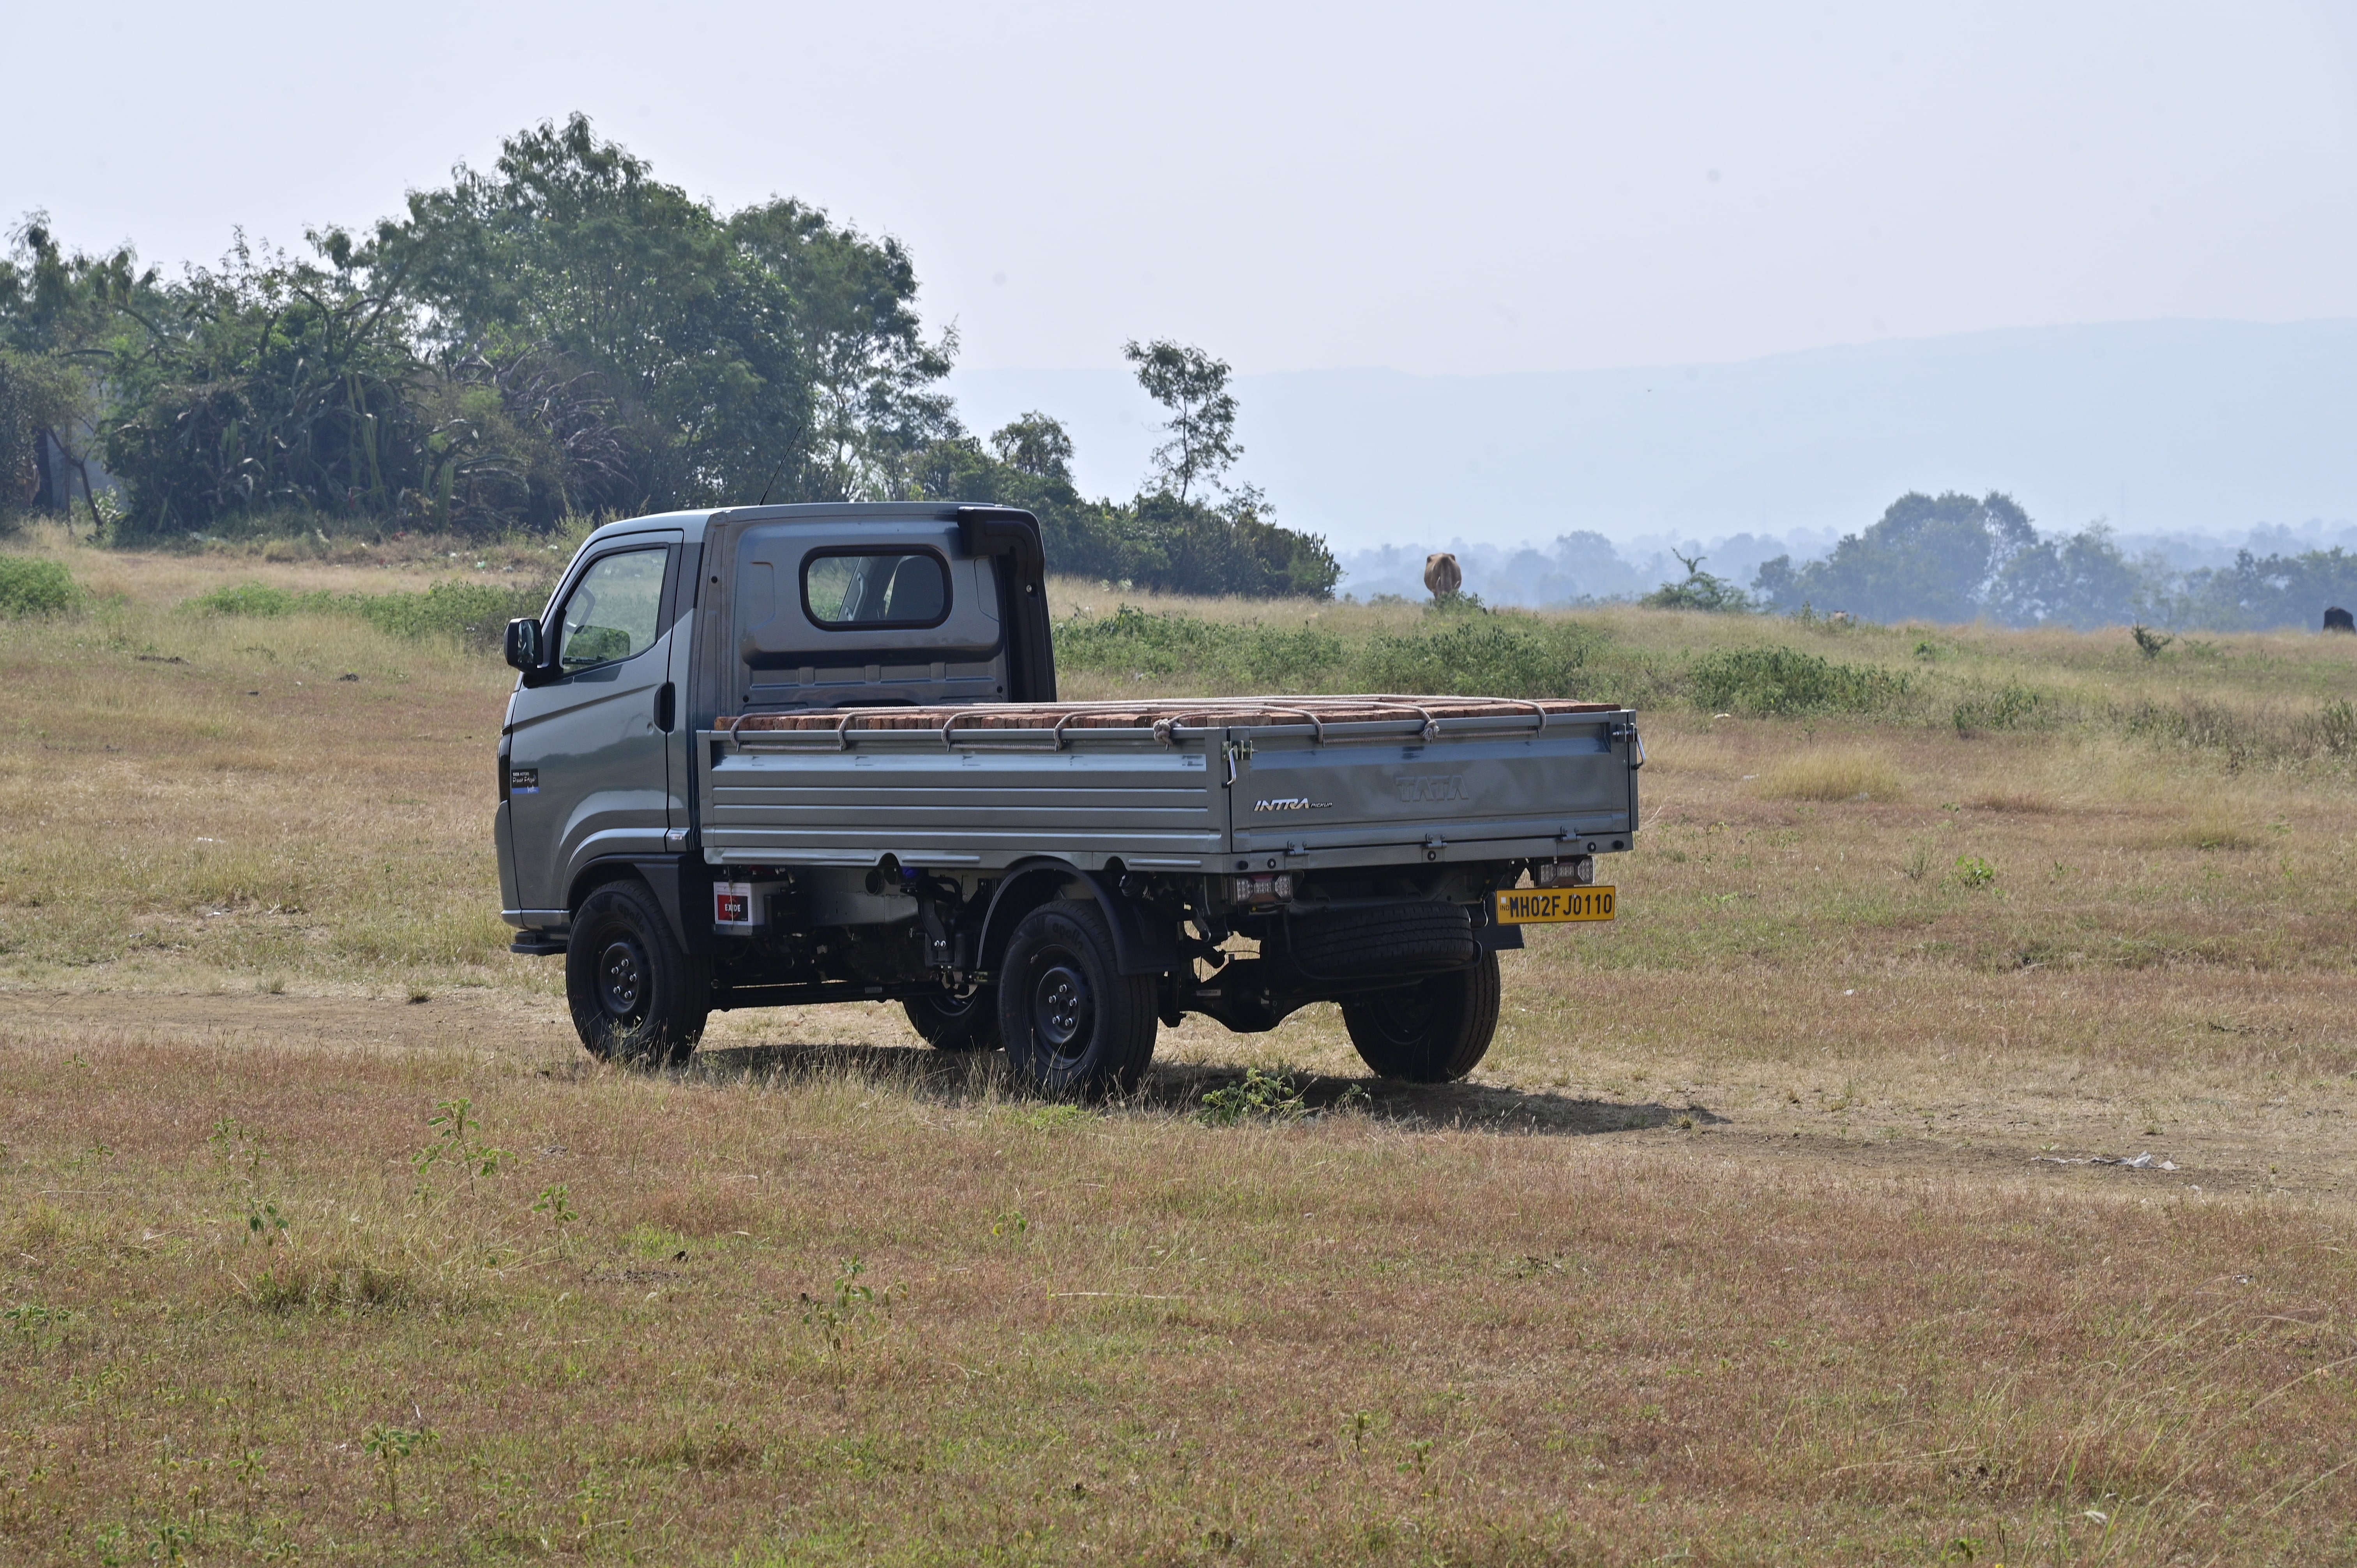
<point>1960,558</point>
<point>563,335</point>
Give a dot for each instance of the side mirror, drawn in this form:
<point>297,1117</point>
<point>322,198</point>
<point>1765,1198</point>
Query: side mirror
<point>527,645</point>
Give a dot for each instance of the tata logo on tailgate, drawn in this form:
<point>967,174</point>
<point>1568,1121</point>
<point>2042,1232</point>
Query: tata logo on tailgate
<point>1418,788</point>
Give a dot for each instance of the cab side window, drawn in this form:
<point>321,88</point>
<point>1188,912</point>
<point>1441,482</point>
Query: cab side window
<point>612,612</point>
<point>877,588</point>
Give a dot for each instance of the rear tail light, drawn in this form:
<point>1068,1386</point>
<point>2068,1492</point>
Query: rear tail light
<point>1271,889</point>
<point>1579,871</point>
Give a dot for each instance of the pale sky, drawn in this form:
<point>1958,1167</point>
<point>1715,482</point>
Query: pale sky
<point>1461,189</point>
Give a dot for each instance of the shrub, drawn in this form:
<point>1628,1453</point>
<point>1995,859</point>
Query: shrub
<point>1974,872</point>
<point>1786,681</point>
<point>1491,656</point>
<point>1261,1097</point>
<point>31,586</point>
<point>2011,706</point>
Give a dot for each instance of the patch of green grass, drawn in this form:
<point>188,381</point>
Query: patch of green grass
<point>30,586</point>
<point>1131,642</point>
<point>476,614</point>
<point>2011,706</point>
<point>1464,651</point>
<point>1785,681</point>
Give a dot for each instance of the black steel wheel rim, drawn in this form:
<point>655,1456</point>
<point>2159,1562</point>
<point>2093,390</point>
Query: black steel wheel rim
<point>1063,1006</point>
<point>949,1006</point>
<point>1405,1017</point>
<point>622,981</point>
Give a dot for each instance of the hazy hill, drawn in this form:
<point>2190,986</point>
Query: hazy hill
<point>2161,428</point>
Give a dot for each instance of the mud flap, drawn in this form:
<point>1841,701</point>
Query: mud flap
<point>1140,946</point>
<point>682,887</point>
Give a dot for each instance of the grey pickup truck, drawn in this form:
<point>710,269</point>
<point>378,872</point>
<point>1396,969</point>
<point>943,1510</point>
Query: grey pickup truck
<point>778,755</point>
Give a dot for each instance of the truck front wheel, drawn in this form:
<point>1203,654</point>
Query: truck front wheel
<point>1435,1031</point>
<point>636,997</point>
<point>1073,1024</point>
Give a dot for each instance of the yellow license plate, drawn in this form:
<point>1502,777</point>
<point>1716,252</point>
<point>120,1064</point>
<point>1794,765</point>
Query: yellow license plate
<point>1539,906</point>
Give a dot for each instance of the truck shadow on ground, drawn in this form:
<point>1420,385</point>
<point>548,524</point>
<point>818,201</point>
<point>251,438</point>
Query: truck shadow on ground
<point>1182,1089</point>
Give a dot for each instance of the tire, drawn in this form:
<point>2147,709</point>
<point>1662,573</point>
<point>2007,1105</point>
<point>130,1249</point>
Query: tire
<point>1435,1031</point>
<point>1383,939</point>
<point>1072,1022</point>
<point>636,997</point>
<point>950,1022</point>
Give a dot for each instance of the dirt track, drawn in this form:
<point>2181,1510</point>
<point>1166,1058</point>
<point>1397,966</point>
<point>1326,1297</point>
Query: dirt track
<point>2289,1140</point>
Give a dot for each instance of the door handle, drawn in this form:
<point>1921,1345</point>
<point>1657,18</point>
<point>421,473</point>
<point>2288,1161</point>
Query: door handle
<point>666,706</point>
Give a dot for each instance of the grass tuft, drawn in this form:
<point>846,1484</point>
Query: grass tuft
<point>2214,833</point>
<point>338,1283</point>
<point>1845,773</point>
<point>2020,803</point>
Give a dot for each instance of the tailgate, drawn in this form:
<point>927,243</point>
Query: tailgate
<point>1457,782</point>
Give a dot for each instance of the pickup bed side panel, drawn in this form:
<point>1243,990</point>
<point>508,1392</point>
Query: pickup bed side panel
<point>1574,780</point>
<point>808,802</point>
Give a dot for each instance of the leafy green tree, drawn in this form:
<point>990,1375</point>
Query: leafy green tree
<point>59,313</point>
<point>1156,542</point>
<point>1193,388</point>
<point>1035,445</point>
<point>2258,593</point>
<point>1701,590</point>
<point>717,358</point>
<point>1926,558</point>
<point>2082,581</point>
<point>272,382</point>
<point>1187,547</point>
<point>1027,463</point>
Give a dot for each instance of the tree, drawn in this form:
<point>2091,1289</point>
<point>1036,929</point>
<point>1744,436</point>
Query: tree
<point>59,312</point>
<point>569,263</point>
<point>1926,558</point>
<point>1034,444</point>
<point>1701,591</point>
<point>1193,387</point>
<point>2261,592</point>
<point>271,382</point>
<point>561,333</point>
<point>2082,581</point>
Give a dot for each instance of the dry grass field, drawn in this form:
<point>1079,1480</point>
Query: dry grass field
<point>1776,1228</point>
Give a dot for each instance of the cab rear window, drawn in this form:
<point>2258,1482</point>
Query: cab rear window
<point>876,589</point>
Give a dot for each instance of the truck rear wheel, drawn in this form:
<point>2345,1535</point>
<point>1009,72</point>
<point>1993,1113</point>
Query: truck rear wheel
<point>1073,1022</point>
<point>1435,1031</point>
<point>950,1022</point>
<point>636,997</point>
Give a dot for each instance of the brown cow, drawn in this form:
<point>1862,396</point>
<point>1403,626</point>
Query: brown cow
<point>1442,575</point>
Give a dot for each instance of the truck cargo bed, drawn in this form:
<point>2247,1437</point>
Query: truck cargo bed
<point>1173,785</point>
